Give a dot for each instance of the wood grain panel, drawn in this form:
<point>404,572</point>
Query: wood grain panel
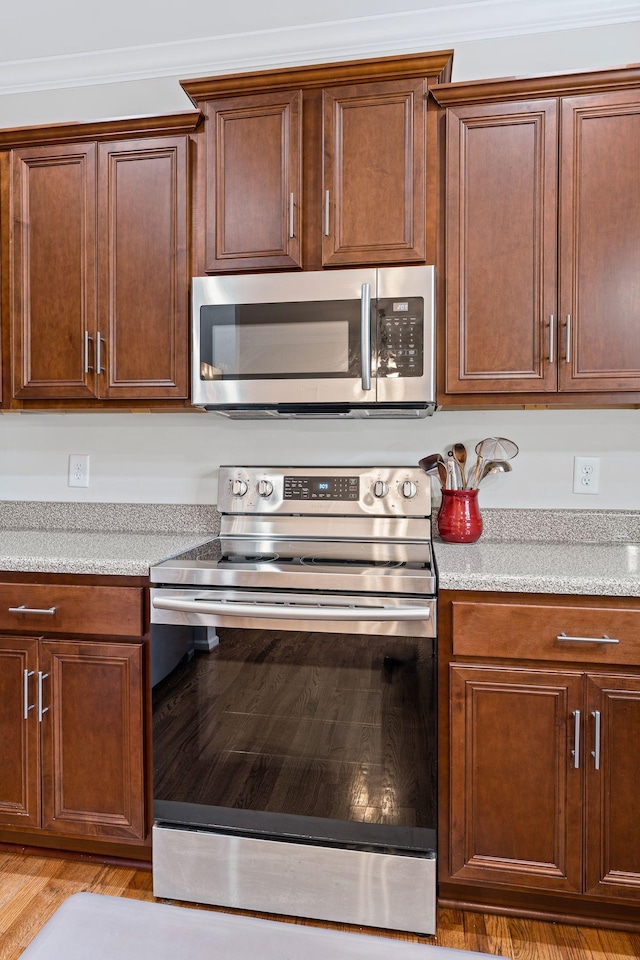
<point>254,163</point>
<point>501,247</point>
<point>374,170</point>
<point>92,739</point>
<point>600,242</point>
<point>612,795</point>
<point>144,283</point>
<point>114,611</point>
<point>19,737</point>
<point>521,631</point>
<point>54,291</point>
<point>515,794</point>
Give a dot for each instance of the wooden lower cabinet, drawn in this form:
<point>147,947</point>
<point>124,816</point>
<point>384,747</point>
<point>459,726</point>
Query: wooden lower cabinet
<point>612,773</point>
<point>539,770</point>
<point>516,793</point>
<point>71,754</point>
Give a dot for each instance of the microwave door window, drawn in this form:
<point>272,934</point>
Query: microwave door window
<point>280,341</point>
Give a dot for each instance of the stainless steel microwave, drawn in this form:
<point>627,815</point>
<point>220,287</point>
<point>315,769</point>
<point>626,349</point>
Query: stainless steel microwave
<point>343,343</point>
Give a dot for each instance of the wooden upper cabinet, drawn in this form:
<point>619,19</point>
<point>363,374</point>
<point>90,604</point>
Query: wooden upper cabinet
<point>253,182</point>
<point>318,166</point>
<point>522,185</point>
<point>54,270</point>
<point>374,173</point>
<point>142,340</point>
<point>96,254</point>
<point>501,247</point>
<point>600,242</point>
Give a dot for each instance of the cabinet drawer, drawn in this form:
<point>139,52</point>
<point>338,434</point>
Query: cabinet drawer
<point>531,632</point>
<point>54,608</point>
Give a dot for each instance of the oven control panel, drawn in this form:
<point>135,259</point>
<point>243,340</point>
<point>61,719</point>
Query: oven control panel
<point>346,491</point>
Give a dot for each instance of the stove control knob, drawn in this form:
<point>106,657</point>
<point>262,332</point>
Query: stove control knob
<point>380,489</point>
<point>238,488</point>
<point>408,489</point>
<point>264,488</point>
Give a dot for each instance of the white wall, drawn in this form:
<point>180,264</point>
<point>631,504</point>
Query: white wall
<point>174,457</point>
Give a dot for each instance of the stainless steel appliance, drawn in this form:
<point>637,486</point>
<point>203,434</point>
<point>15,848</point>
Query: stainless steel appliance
<point>295,742</point>
<point>341,343</point>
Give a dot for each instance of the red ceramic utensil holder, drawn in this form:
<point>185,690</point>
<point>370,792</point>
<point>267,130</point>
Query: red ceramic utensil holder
<point>459,518</point>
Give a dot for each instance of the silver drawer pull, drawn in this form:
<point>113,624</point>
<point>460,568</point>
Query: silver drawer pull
<point>41,710</point>
<point>602,639</point>
<point>596,737</point>
<point>27,706</point>
<point>22,609</point>
<point>575,753</point>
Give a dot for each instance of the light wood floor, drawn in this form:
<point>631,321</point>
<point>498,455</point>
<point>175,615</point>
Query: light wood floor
<point>32,888</point>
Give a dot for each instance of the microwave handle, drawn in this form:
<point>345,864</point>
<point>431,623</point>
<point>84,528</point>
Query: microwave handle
<point>365,336</point>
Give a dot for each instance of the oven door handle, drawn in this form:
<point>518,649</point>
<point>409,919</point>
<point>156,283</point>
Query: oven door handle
<point>295,611</point>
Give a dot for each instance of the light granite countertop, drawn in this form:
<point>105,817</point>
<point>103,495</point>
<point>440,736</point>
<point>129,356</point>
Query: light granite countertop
<point>598,569</point>
<point>65,551</point>
<point>120,539</point>
<point>590,552</point>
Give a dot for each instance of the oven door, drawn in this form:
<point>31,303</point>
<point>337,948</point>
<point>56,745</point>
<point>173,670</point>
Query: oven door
<point>275,339</point>
<point>314,729</point>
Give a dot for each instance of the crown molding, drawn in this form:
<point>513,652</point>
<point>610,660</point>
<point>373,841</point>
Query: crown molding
<point>443,24</point>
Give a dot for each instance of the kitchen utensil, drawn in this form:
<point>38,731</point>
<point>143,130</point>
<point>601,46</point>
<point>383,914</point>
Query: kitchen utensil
<point>459,453</point>
<point>454,477</point>
<point>442,473</point>
<point>491,448</point>
<point>429,463</point>
<point>494,466</point>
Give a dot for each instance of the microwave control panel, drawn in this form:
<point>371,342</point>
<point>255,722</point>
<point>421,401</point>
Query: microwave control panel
<point>400,337</point>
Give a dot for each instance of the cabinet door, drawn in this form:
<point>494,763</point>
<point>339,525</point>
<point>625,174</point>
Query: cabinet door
<point>253,182</point>
<point>19,740</point>
<point>600,242</point>
<point>516,794</point>
<point>501,248</point>
<point>374,173</point>
<point>92,739</point>
<point>53,271</point>
<point>141,348</point>
<point>612,795</point>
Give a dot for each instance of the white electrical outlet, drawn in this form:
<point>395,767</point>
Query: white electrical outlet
<point>586,475</point>
<point>78,470</point>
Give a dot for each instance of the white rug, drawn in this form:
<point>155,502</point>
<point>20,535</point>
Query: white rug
<point>91,926</point>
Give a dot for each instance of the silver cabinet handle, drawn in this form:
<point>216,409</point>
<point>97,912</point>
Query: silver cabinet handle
<point>49,612</point>
<point>602,639</point>
<point>575,753</point>
<point>99,341</point>
<point>595,753</point>
<point>41,710</point>
<point>567,358</point>
<point>294,611</point>
<point>27,706</point>
<point>552,339</point>
<point>87,340</point>
<point>291,216</point>
<point>365,336</point>
<point>327,201</point>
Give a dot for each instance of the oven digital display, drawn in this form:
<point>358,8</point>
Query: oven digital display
<point>321,488</point>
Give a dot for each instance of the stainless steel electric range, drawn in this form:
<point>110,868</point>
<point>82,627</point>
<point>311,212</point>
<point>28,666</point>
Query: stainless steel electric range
<point>294,722</point>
